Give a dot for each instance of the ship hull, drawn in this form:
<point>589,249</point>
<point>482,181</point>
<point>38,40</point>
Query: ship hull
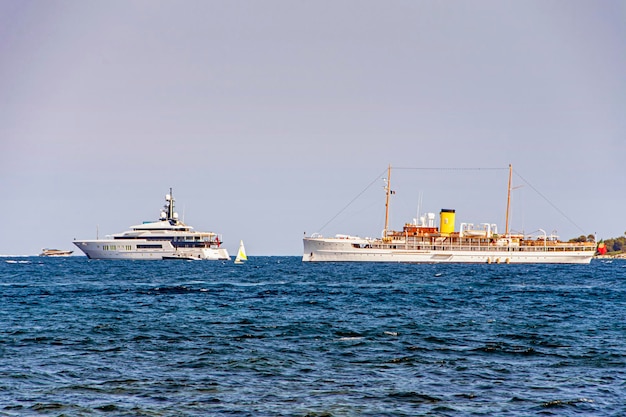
<point>145,250</point>
<point>362,250</point>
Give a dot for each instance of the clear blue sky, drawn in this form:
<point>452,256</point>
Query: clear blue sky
<point>268,117</point>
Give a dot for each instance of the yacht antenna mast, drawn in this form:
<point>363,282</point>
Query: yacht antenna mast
<point>508,202</point>
<point>170,208</point>
<point>387,192</point>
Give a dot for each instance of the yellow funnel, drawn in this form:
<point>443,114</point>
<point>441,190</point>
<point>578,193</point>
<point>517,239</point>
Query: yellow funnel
<point>446,225</point>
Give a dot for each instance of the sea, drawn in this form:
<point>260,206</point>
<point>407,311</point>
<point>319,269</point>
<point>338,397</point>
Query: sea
<point>278,337</point>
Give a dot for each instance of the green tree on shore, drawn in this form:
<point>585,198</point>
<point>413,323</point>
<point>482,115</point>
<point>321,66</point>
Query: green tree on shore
<point>613,245</point>
<point>617,244</point>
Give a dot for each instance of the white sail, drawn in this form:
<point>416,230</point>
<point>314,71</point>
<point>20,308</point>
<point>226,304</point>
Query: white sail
<point>241,254</point>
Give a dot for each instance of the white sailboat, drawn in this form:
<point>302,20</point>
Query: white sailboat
<point>241,254</point>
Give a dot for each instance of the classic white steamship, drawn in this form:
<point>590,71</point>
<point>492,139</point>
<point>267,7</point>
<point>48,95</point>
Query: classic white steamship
<point>423,242</point>
<point>166,238</point>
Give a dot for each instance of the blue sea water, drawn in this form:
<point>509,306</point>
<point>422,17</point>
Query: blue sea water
<point>276,337</point>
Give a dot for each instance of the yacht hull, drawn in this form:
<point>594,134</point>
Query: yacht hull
<point>144,250</point>
<point>362,250</point>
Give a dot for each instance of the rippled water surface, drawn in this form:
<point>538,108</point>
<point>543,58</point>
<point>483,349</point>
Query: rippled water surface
<point>276,337</point>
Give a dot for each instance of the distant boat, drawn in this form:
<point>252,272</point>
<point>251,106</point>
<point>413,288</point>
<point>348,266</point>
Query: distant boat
<point>241,254</point>
<point>55,252</point>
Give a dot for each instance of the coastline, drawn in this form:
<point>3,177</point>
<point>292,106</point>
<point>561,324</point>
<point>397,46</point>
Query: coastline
<point>621,255</point>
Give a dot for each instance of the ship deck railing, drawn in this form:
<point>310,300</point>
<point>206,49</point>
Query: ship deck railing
<point>412,244</point>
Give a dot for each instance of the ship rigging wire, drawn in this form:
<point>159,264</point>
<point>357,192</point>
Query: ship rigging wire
<point>549,202</point>
<point>353,200</point>
<point>453,169</point>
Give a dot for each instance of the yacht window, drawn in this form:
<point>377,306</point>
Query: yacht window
<point>148,246</point>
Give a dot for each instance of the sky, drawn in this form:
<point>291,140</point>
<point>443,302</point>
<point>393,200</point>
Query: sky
<point>267,118</point>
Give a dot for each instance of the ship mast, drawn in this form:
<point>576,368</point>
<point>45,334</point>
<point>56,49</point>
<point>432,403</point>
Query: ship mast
<point>387,192</point>
<point>170,207</point>
<point>508,202</point>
